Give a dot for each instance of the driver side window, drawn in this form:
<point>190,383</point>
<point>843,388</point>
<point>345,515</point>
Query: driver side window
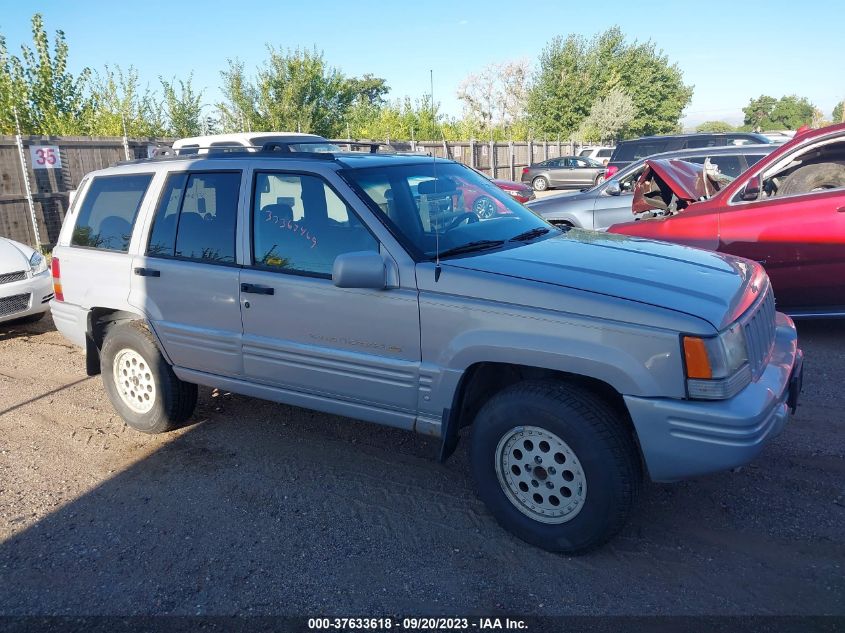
<point>300,225</point>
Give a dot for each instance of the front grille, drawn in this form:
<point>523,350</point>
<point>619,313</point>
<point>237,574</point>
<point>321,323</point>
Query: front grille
<point>7,278</point>
<point>760,333</point>
<point>14,303</point>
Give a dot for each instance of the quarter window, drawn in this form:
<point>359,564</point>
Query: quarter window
<point>108,213</point>
<point>301,225</point>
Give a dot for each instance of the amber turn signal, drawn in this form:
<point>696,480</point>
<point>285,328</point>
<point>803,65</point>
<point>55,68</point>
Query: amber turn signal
<point>697,360</point>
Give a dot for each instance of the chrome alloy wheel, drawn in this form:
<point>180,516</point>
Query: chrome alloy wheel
<point>134,380</point>
<point>540,474</point>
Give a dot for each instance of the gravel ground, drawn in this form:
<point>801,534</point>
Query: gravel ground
<point>264,508</point>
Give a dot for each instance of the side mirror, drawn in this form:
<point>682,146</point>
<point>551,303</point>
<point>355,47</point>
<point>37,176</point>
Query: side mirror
<point>612,188</point>
<point>361,269</point>
<point>751,190</point>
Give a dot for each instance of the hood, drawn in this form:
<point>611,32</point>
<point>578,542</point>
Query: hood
<point>672,184</point>
<point>13,256</point>
<point>698,283</point>
<point>553,200</point>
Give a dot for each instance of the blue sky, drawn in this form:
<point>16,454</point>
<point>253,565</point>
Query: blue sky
<point>730,51</point>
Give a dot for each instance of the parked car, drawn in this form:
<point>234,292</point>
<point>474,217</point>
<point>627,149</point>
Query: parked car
<point>600,153</point>
<point>627,152</point>
<point>786,212</point>
<point>486,206</point>
<point>566,171</point>
<point>251,141</point>
<point>25,285</point>
<point>610,202</point>
<point>362,285</point>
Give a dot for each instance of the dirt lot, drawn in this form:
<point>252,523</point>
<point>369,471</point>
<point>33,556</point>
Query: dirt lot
<point>262,508</point>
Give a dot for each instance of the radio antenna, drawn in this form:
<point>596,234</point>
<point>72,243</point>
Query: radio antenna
<point>437,269</point>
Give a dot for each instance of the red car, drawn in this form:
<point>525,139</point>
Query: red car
<point>786,212</point>
<point>484,206</point>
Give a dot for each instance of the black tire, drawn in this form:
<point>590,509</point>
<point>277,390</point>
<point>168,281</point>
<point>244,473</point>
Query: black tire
<point>813,177</point>
<point>173,400</point>
<point>601,442</point>
<point>540,183</point>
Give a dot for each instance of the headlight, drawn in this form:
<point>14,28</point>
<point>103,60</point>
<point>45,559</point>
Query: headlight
<point>37,263</point>
<point>717,368</point>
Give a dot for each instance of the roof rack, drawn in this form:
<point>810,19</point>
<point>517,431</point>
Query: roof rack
<point>270,149</point>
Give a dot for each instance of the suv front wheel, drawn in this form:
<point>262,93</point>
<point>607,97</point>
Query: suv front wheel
<point>555,465</point>
<point>140,383</point>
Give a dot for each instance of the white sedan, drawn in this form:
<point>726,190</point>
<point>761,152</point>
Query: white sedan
<point>25,284</point>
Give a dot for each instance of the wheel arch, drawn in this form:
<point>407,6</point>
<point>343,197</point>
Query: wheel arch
<point>99,320</point>
<point>482,380</point>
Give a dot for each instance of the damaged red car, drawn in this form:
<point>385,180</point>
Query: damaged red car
<point>786,212</point>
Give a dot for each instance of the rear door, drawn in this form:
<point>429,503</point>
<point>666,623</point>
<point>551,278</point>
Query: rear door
<point>799,239</point>
<point>583,173</point>
<point>186,279</point>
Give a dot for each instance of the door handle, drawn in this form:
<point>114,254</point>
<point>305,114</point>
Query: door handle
<point>841,210</point>
<point>257,289</point>
<point>147,272</point>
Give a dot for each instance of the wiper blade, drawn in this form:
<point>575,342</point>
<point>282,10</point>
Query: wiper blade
<point>530,234</point>
<point>469,247</point>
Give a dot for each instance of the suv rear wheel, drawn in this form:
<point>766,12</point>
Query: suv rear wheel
<point>141,384</point>
<point>555,465</point>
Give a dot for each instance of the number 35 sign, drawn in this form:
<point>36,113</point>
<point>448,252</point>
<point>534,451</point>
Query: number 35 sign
<point>45,157</point>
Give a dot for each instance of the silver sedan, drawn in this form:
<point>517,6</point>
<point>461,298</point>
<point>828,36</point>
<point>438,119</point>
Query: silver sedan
<point>566,171</point>
<point>609,202</point>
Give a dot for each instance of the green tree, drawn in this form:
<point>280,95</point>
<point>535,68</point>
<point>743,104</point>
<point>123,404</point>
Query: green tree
<point>837,112</point>
<point>758,110</point>
<point>789,112</point>
<point>182,107</point>
<point>47,97</point>
<point>608,117</point>
<point>296,90</point>
<point>117,99</point>
<point>575,72</point>
<point>715,126</point>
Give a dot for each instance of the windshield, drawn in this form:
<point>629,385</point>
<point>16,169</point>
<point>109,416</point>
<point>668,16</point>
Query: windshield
<point>440,214</point>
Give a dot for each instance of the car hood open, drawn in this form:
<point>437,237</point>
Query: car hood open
<point>700,283</point>
<point>671,184</point>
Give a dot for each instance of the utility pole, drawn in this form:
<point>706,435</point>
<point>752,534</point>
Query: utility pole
<point>28,190</point>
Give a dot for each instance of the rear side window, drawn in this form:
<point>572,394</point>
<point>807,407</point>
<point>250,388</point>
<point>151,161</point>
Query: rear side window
<point>629,152</point>
<point>108,213</point>
<point>197,217</point>
<point>604,153</point>
<point>704,141</point>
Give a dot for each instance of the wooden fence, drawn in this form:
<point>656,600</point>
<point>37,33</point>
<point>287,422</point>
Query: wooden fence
<point>56,165</point>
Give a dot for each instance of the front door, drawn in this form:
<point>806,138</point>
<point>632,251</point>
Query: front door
<point>304,334</point>
<point>186,281</point>
<point>798,239</point>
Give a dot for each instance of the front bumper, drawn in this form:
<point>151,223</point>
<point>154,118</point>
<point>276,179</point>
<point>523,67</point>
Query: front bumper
<point>685,438</point>
<point>26,297</point>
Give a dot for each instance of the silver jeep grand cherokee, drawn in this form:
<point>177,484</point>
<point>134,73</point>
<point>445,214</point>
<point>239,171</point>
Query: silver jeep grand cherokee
<point>363,285</point>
